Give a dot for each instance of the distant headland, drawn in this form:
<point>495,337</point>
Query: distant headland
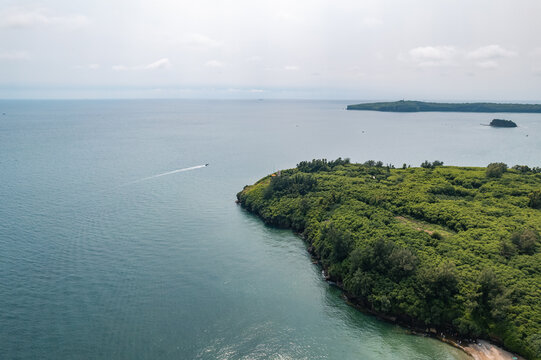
<point>419,106</point>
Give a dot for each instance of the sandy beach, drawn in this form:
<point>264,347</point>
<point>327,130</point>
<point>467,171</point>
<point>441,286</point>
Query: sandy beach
<point>484,350</point>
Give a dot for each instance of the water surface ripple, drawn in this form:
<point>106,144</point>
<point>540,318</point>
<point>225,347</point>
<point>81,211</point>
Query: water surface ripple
<point>170,267</point>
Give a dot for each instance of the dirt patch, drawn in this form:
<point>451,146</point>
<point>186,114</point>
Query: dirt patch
<point>408,221</point>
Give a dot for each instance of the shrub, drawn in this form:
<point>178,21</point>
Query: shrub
<point>496,170</point>
<point>535,199</point>
<point>526,241</point>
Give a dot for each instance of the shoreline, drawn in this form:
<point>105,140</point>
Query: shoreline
<point>477,349</point>
<point>484,350</point>
<point>254,200</point>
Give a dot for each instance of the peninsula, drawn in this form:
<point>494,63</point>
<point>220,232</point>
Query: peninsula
<point>420,106</point>
<point>449,250</point>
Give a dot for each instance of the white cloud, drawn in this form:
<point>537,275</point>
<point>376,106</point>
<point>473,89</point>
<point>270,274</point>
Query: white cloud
<point>199,40</point>
<point>237,90</point>
<point>291,67</point>
<point>20,18</point>
<point>486,56</point>
<point>436,56</point>
<point>490,52</point>
<point>160,64</point>
<point>214,64</point>
<point>427,56</point>
<point>14,55</point>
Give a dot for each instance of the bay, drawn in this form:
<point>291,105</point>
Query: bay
<point>98,260</point>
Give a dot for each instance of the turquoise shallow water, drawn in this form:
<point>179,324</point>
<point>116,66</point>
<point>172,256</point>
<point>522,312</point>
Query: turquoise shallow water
<point>94,264</point>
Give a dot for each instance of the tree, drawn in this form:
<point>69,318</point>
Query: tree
<point>437,287</point>
<point>507,248</point>
<point>496,170</point>
<point>492,299</point>
<point>535,199</point>
<point>340,241</point>
<point>427,165</point>
<point>526,241</point>
<point>402,263</point>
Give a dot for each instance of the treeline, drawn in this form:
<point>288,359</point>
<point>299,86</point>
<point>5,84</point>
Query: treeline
<point>416,106</point>
<point>457,249</point>
<point>321,164</point>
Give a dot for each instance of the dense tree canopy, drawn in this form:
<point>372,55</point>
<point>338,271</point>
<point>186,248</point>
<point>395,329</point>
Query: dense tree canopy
<point>454,248</point>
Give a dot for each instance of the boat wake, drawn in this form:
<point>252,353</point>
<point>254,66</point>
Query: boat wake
<point>166,173</point>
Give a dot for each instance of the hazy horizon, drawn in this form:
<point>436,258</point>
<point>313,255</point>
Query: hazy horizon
<point>321,50</point>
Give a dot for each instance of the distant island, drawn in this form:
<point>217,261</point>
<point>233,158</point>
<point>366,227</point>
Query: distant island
<point>420,106</point>
<point>447,250</point>
<point>503,123</point>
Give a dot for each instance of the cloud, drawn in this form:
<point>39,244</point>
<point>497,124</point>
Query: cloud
<point>214,64</point>
<point>14,55</point>
<point>22,18</point>
<point>428,56</point>
<point>490,52</point>
<point>253,91</point>
<point>160,64</point>
<point>199,40</point>
<point>486,56</point>
<point>291,67</point>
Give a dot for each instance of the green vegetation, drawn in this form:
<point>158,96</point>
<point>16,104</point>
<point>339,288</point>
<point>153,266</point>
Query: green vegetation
<point>415,106</point>
<point>503,123</point>
<point>496,170</point>
<point>454,248</point>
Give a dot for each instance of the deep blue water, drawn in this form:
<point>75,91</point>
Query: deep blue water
<point>95,264</point>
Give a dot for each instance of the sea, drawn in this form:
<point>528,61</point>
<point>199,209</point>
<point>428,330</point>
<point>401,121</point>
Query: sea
<point>117,242</point>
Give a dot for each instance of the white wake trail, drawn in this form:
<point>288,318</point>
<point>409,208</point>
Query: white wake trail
<point>164,174</point>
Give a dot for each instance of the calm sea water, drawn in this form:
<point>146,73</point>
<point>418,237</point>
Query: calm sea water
<point>97,265</point>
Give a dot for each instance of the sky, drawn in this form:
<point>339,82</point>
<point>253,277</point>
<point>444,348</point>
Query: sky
<point>440,50</point>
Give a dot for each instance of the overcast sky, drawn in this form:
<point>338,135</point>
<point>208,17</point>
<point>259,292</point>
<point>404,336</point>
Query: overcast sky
<point>351,49</point>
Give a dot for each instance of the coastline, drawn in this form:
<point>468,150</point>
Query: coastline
<point>477,349</point>
<point>422,106</point>
<point>349,224</point>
